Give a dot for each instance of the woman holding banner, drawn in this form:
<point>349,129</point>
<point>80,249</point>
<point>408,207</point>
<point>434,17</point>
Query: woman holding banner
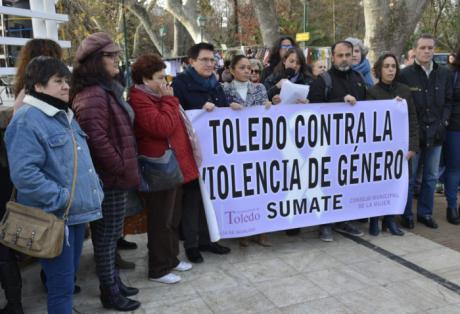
<point>240,93</point>
<point>293,68</point>
<point>386,69</point>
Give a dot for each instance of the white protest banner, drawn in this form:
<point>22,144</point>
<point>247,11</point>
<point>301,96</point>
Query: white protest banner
<point>301,165</point>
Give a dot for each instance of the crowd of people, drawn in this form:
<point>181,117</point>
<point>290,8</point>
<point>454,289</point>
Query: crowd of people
<point>55,108</point>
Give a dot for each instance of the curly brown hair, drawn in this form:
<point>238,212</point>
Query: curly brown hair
<point>145,66</point>
<point>33,48</point>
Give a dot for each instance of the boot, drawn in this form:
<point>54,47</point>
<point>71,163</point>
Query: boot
<point>125,290</point>
<point>12,284</point>
<point>112,298</point>
<point>390,223</point>
<point>123,264</point>
<point>452,216</point>
<point>374,226</point>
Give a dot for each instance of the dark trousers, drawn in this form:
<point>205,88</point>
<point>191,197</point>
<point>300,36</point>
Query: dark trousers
<point>10,276</point>
<point>105,232</point>
<point>452,173</point>
<point>194,225</point>
<point>6,187</point>
<point>162,231</point>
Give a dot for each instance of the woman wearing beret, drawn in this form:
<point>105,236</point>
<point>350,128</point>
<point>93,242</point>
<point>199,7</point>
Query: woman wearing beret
<point>108,120</point>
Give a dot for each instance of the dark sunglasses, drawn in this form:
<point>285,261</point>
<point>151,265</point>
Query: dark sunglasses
<point>255,71</point>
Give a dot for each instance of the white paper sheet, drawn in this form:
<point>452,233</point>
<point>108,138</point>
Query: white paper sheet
<point>290,92</point>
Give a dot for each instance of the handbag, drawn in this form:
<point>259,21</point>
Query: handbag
<point>33,231</point>
<point>162,173</point>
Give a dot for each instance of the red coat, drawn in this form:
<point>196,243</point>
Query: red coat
<point>111,137</point>
<point>157,120</point>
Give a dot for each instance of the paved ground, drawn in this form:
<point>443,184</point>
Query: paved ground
<point>384,274</point>
<point>447,234</point>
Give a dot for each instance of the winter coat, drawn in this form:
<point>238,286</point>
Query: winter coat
<point>41,153</point>
<point>343,83</point>
<point>158,120</point>
<point>454,121</point>
<point>433,100</point>
<point>111,137</point>
<point>384,91</point>
<point>272,89</point>
<point>193,95</point>
<point>256,94</point>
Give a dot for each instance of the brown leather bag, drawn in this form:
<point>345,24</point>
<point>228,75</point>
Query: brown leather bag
<point>33,231</point>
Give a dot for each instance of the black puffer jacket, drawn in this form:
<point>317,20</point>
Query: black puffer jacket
<point>433,100</point>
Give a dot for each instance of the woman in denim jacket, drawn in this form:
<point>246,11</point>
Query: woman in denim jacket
<point>40,152</point>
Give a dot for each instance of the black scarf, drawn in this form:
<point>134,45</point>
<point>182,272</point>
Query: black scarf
<point>50,100</point>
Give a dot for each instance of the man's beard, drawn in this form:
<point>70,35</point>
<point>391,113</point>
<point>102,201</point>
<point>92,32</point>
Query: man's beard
<point>343,67</point>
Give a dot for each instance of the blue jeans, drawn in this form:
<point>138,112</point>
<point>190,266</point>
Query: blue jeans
<point>60,272</point>
<point>430,158</point>
<point>452,173</point>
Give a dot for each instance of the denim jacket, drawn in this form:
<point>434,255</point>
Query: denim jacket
<point>40,156</point>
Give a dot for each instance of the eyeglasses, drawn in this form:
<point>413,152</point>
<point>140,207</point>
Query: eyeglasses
<point>111,55</point>
<point>255,71</point>
<point>207,60</point>
<point>286,46</point>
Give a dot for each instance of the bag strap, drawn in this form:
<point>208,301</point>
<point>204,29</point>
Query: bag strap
<point>74,179</point>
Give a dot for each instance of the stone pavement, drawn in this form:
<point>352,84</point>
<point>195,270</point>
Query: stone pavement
<point>298,274</point>
<point>446,234</point>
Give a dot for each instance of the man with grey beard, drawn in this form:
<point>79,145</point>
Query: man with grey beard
<point>339,84</point>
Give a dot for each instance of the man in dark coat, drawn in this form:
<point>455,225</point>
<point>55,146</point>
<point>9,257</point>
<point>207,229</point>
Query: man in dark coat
<point>431,87</point>
<point>198,88</point>
<point>339,84</point>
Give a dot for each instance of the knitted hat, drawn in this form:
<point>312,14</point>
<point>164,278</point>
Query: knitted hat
<point>97,42</point>
<point>359,43</point>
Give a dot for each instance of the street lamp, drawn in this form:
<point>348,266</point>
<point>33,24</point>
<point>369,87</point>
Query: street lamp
<point>201,21</point>
<point>162,36</point>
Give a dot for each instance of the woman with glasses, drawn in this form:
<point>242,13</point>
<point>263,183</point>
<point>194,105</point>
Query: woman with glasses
<point>280,47</point>
<point>256,70</point>
<point>97,98</point>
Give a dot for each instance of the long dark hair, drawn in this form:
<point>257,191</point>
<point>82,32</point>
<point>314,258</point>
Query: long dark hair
<point>88,73</point>
<point>280,68</point>
<point>275,58</point>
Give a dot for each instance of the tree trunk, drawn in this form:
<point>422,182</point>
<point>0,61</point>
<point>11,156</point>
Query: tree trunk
<point>187,14</point>
<point>268,21</point>
<point>142,14</point>
<point>389,24</point>
<point>182,39</point>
